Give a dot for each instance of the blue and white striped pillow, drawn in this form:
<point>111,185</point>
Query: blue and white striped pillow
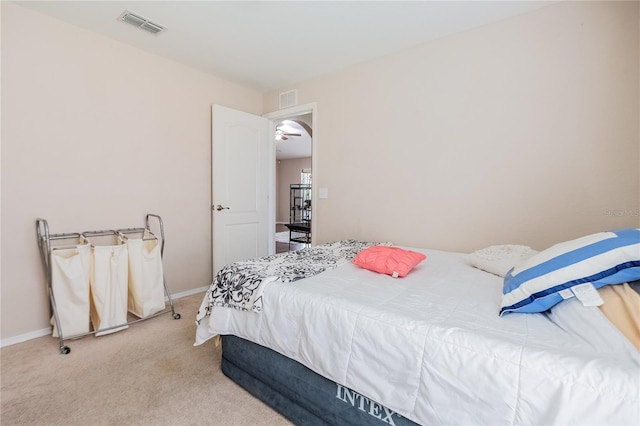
<point>534,285</point>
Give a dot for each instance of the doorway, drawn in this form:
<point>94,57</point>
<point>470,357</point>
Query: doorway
<point>294,144</point>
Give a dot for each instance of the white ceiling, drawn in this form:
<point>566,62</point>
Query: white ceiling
<point>269,44</point>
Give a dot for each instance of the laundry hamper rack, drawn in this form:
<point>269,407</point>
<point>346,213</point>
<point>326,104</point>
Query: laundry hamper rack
<point>53,248</point>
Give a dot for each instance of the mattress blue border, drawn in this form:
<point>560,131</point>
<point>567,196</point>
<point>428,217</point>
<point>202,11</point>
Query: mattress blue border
<point>296,392</point>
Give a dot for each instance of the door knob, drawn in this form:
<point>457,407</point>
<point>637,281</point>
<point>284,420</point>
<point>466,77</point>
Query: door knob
<point>219,207</point>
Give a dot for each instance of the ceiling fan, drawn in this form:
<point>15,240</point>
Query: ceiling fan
<point>281,135</point>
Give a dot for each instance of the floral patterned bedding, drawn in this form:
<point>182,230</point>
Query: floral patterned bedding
<point>240,284</point>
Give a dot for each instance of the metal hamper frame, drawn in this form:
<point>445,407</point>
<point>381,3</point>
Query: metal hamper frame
<point>46,247</point>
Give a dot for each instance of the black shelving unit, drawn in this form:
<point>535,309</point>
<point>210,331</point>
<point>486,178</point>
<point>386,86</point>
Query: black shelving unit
<point>299,213</point>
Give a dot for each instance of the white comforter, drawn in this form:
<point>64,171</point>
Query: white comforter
<point>432,347</point>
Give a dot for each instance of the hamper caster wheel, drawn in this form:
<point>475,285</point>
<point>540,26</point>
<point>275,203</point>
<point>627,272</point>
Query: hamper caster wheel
<point>65,350</point>
<point>176,316</point>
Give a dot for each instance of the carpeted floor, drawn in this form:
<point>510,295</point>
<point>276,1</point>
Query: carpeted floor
<point>149,374</point>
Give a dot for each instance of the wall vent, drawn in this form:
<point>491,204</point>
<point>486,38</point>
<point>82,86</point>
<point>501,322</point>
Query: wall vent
<point>289,99</point>
<point>141,22</point>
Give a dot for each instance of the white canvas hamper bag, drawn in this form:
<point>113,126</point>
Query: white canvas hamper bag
<point>109,277</point>
<point>70,274</point>
<point>146,282</point>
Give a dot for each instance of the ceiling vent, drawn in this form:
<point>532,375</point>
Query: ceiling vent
<point>289,99</point>
<point>141,22</point>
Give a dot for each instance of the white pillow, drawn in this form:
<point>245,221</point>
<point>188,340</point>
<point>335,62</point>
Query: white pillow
<point>499,259</point>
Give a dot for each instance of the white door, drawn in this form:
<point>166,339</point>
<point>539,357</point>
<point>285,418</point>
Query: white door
<point>240,178</point>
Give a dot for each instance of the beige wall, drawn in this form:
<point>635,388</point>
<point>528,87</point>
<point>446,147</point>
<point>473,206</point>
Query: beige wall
<point>525,131</point>
<point>287,172</point>
<point>95,134</point>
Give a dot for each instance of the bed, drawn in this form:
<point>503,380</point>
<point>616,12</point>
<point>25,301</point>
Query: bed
<point>336,343</point>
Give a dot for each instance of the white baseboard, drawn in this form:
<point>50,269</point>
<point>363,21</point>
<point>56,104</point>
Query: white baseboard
<point>189,292</point>
<point>47,331</point>
<point>24,337</point>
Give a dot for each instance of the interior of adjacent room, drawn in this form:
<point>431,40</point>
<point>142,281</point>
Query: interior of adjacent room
<point>293,140</point>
